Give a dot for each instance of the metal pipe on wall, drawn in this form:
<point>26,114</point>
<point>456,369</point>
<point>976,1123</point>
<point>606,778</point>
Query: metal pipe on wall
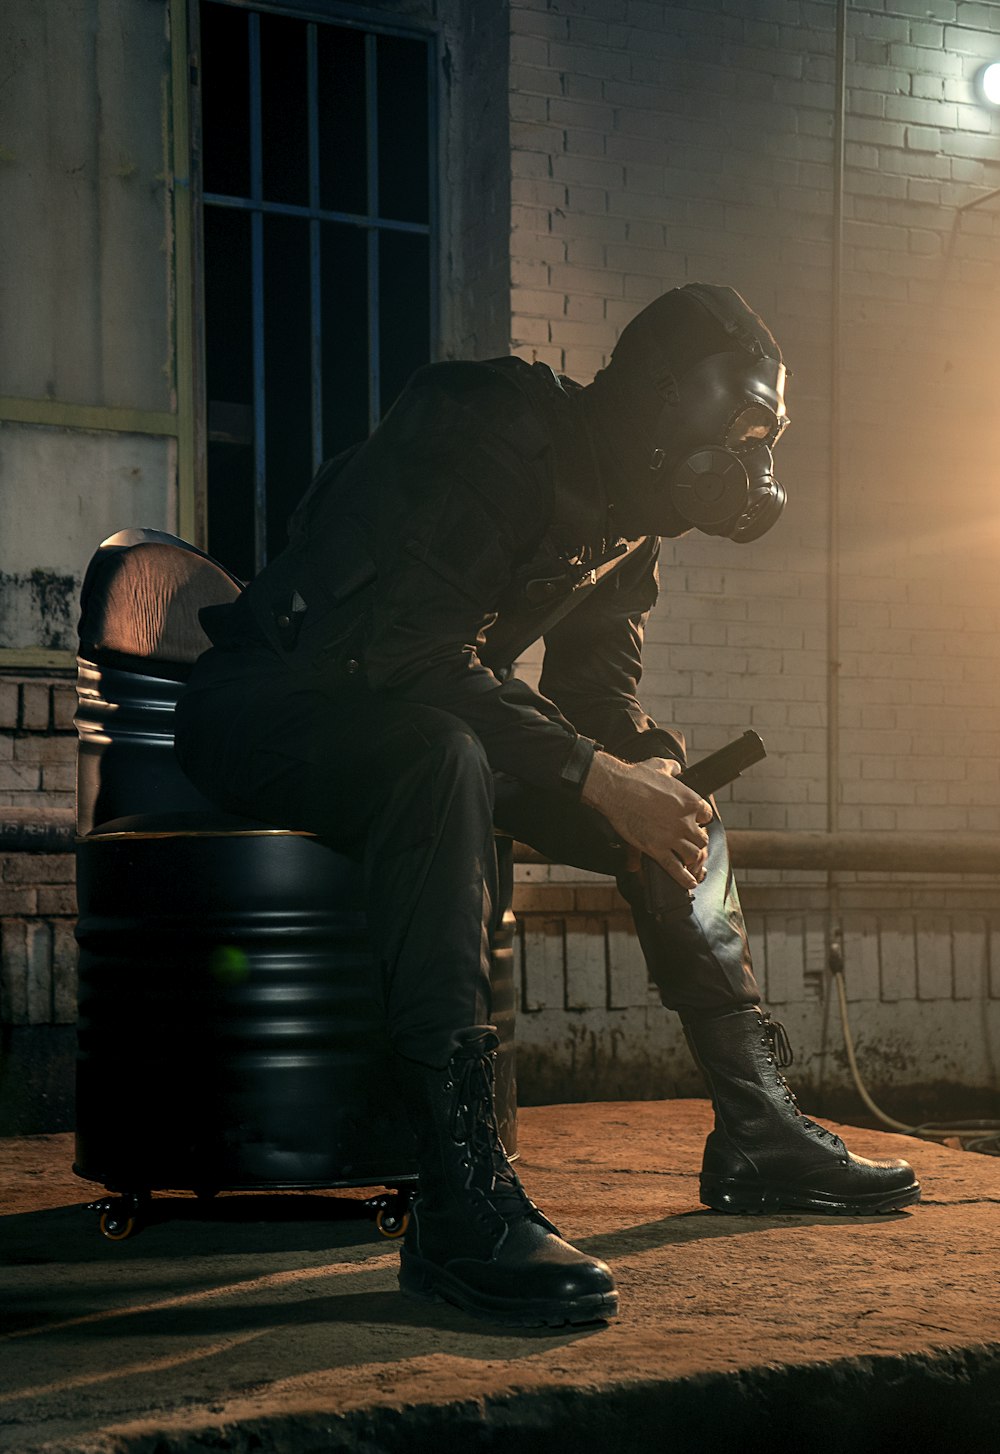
<point>834,934</point>
<point>836,350</point>
<point>886,852</point>
<point>851,852</point>
<point>53,830</point>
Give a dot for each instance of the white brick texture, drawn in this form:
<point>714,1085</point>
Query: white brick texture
<point>658,144</point>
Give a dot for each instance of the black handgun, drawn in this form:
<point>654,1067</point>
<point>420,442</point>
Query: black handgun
<point>664,894</point>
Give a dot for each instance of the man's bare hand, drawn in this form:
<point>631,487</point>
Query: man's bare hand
<point>652,813</point>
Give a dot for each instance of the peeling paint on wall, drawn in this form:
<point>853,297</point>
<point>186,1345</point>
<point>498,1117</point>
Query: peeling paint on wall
<point>41,607</point>
<point>61,493</point>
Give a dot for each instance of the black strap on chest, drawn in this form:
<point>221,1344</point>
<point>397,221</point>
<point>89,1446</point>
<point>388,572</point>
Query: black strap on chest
<point>542,594</point>
<point>574,556</point>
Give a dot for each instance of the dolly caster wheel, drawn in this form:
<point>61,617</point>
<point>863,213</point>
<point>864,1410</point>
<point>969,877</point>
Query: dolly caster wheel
<point>392,1222</point>
<point>120,1217</point>
<point>392,1212</point>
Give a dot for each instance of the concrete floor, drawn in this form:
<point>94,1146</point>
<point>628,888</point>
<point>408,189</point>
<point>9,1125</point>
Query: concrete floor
<point>273,1323</point>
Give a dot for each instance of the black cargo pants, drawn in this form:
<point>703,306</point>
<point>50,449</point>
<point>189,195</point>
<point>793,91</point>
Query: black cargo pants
<point>408,791</point>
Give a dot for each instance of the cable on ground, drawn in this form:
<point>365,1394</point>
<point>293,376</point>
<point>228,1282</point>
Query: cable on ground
<point>968,1133</point>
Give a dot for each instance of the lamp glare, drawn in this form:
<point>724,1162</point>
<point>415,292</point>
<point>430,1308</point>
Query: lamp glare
<point>990,83</point>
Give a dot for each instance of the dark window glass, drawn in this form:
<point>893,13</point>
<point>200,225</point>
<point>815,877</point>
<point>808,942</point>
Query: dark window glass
<point>284,110</point>
<point>225,100</point>
<point>230,507</point>
<point>404,315</point>
<point>228,316</point>
<point>344,274</point>
<point>402,129</point>
<point>343,146</point>
<point>287,371</point>
<point>229,368</point>
<point>290,302</point>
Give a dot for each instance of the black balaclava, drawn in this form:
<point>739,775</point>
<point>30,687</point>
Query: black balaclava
<point>627,407</point>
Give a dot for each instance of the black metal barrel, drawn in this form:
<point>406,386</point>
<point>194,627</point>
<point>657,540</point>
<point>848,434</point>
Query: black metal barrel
<point>125,754</point>
<point>230,1030</point>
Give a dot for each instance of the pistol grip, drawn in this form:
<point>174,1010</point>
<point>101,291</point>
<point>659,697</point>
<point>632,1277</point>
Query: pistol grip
<point>663,894</point>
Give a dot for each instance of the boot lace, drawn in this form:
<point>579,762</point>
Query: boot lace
<point>474,1124</point>
<point>780,1045</point>
<point>779,1054</point>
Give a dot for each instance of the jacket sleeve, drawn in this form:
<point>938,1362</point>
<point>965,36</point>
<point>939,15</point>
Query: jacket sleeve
<point>593,662</point>
<point>446,552</point>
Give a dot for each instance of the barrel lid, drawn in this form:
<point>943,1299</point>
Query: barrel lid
<point>188,825</point>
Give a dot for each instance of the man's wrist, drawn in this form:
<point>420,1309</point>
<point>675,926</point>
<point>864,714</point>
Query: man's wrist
<point>600,784</point>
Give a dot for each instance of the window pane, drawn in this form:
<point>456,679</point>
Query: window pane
<point>404,310</point>
<point>344,135</point>
<point>228,317</point>
<point>286,371</point>
<point>230,506</point>
<point>225,100</point>
<point>344,252</point>
<point>284,110</point>
<point>343,150</point>
<point>403,190</point>
<point>229,380</point>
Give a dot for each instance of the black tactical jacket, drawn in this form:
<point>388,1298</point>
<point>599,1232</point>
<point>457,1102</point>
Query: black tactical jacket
<point>423,562</point>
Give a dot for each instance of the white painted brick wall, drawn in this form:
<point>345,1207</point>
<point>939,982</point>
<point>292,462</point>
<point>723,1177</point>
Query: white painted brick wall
<point>922,976</point>
<point>656,144</point>
<point>37,743</point>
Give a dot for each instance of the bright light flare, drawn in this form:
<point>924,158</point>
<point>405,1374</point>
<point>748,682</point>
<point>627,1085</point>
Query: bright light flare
<point>988,83</point>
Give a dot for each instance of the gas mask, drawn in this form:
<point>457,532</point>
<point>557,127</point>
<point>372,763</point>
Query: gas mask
<point>719,423</point>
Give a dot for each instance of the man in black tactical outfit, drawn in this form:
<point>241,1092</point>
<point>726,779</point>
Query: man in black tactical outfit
<point>361,688</point>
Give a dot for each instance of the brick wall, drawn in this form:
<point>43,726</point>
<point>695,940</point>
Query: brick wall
<point>37,948</point>
<point>655,144</point>
<point>37,742</point>
<point>922,983</point>
<point>37,910</point>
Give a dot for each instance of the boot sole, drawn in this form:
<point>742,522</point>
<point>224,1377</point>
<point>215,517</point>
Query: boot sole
<point>425,1282</point>
<point>756,1198</point>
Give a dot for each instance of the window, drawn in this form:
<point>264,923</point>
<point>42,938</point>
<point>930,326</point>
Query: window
<point>319,251</point>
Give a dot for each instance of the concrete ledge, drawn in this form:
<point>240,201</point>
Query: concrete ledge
<point>273,1323</point>
<point>945,1401</point>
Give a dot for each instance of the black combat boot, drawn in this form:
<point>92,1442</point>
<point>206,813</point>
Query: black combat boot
<point>474,1238</point>
<point>764,1154</point>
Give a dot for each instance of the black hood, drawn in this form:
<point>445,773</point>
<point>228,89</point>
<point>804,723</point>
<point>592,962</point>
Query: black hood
<point>624,406</point>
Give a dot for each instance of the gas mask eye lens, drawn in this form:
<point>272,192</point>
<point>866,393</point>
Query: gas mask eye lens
<point>754,421</point>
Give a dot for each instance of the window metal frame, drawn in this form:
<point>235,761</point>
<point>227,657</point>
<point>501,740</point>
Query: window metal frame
<point>372,25</point>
